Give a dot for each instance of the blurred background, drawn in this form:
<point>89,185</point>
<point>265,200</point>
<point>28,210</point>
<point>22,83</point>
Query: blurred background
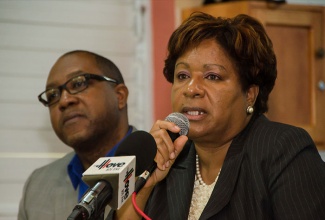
<point>33,34</point>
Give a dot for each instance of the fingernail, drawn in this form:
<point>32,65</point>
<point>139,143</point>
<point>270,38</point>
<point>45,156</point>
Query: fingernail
<point>167,164</point>
<point>172,155</point>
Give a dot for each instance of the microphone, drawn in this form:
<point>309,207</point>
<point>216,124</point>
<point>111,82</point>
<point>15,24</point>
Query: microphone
<point>183,123</point>
<point>112,180</point>
<point>147,144</point>
<point>142,145</point>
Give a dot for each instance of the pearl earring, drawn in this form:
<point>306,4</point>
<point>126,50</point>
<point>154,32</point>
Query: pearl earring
<point>249,110</point>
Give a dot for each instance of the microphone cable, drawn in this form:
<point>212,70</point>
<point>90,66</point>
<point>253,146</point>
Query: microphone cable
<point>134,194</point>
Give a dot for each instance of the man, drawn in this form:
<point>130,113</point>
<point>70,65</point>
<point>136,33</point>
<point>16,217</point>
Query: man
<point>87,101</point>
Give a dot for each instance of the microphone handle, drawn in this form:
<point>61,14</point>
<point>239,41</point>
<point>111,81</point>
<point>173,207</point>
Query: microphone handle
<point>173,136</point>
<point>92,204</point>
<point>142,179</point>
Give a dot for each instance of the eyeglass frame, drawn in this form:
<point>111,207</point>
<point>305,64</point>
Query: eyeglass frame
<point>60,88</point>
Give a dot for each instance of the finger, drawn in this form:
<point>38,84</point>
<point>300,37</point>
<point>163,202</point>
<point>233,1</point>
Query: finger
<point>178,147</point>
<point>162,155</point>
<point>161,171</point>
<point>156,126</point>
<point>179,144</point>
<point>166,125</point>
<point>165,146</point>
<point>162,138</point>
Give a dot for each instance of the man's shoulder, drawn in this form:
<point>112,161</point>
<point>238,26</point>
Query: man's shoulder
<point>54,168</point>
<point>48,192</point>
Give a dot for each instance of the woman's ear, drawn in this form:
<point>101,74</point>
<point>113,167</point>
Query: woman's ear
<point>252,94</point>
<point>122,94</point>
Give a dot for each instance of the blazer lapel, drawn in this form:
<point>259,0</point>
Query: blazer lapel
<point>180,183</point>
<point>226,183</point>
<point>224,188</point>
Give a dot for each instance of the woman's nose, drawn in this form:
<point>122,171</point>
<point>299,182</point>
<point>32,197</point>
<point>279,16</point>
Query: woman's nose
<point>194,89</point>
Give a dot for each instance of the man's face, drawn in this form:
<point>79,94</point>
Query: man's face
<point>90,114</point>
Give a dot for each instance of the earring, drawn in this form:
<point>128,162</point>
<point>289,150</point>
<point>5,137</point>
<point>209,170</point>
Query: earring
<point>249,110</point>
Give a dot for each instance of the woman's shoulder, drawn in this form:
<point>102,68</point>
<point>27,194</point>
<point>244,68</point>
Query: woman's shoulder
<point>262,125</point>
<point>272,137</point>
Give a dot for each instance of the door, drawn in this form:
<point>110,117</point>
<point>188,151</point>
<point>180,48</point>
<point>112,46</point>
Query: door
<point>297,97</point>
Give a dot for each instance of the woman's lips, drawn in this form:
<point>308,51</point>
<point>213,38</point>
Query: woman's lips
<point>194,113</point>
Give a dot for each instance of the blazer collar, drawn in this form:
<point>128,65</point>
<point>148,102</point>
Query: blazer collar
<point>226,183</point>
<point>181,177</point>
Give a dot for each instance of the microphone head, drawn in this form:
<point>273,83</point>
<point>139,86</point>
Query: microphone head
<point>142,145</point>
<point>180,120</point>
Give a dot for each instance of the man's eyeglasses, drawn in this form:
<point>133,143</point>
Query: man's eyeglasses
<point>72,86</point>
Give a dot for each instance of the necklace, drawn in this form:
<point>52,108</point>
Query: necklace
<point>198,174</point>
<point>201,193</point>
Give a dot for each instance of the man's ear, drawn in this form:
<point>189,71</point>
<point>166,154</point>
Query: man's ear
<point>122,94</point>
<point>252,94</point>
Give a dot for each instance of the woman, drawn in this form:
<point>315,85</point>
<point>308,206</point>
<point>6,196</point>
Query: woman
<point>235,164</point>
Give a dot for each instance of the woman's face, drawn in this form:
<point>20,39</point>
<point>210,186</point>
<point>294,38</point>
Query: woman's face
<point>207,90</point>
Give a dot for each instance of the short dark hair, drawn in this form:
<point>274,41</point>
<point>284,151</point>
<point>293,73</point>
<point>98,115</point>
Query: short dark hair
<point>108,68</point>
<point>243,38</point>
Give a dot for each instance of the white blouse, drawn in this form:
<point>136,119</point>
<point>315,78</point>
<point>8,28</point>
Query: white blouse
<point>200,197</point>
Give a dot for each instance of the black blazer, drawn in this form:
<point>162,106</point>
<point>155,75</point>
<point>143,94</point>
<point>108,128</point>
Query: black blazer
<point>271,171</point>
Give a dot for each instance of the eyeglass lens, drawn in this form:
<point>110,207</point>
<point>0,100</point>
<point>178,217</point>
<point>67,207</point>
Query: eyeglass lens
<point>73,86</point>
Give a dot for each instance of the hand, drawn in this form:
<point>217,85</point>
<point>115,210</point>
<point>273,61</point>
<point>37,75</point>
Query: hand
<point>167,151</point>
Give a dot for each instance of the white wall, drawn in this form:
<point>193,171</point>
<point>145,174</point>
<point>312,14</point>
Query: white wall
<point>33,34</point>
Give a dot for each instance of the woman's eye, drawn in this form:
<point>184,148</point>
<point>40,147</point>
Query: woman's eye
<point>182,76</point>
<point>212,77</point>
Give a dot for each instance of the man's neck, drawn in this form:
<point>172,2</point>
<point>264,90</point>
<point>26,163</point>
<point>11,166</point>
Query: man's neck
<point>99,149</point>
